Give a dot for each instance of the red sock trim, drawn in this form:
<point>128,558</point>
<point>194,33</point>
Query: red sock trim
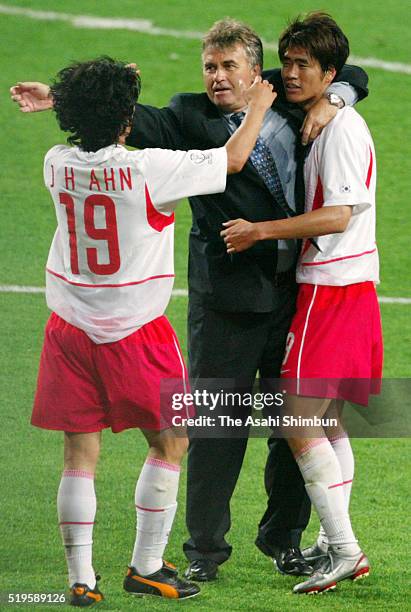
<point>151,509</point>
<point>159,463</point>
<point>339,437</point>
<point>78,474</point>
<point>340,484</point>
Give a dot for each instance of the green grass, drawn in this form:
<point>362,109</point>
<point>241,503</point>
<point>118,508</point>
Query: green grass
<point>31,557</point>
<point>30,549</point>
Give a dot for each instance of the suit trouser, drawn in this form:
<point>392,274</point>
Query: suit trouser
<point>235,347</point>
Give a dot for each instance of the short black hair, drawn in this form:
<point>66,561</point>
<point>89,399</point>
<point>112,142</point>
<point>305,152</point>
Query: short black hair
<point>318,34</point>
<point>95,101</point>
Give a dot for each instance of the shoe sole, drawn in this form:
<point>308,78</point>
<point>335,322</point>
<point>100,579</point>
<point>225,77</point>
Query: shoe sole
<point>361,574</point>
<point>162,596</point>
<point>195,579</point>
<point>86,605</point>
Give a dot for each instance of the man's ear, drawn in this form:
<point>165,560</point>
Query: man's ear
<point>256,70</point>
<point>330,74</point>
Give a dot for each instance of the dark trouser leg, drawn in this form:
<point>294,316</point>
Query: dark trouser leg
<point>218,461</point>
<point>223,346</point>
<point>288,506</point>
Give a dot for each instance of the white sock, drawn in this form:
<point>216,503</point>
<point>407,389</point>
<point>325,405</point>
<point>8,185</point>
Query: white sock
<point>76,507</point>
<point>321,471</point>
<point>342,448</point>
<point>156,505</point>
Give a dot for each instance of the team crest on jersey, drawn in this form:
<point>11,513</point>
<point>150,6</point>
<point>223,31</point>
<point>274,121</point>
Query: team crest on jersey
<point>345,188</point>
<point>199,157</point>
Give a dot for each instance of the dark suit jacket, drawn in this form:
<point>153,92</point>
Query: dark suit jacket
<point>243,282</point>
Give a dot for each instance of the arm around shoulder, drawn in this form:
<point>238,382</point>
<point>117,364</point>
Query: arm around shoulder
<point>356,77</point>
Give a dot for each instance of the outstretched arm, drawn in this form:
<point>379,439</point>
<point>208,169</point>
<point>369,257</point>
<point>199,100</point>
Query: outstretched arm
<point>32,96</point>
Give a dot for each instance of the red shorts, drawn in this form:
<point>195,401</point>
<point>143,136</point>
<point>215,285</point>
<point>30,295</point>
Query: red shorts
<point>86,387</point>
<point>334,348</point>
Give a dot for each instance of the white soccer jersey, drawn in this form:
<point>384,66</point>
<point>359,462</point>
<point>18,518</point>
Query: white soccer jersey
<point>110,268</point>
<point>340,170</point>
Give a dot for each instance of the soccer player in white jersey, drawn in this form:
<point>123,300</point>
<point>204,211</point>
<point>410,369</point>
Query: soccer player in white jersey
<point>108,345</point>
<point>334,348</point>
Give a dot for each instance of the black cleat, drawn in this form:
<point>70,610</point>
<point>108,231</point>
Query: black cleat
<point>82,596</point>
<point>164,583</point>
<point>292,563</point>
<point>202,570</point>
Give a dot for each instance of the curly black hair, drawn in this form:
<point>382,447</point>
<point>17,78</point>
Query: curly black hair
<point>95,101</point>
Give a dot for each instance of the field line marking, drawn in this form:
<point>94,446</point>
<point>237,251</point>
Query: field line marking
<point>175,293</point>
<point>146,26</point>
<point>393,300</point>
<point>21,289</point>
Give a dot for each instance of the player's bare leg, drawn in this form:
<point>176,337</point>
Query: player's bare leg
<point>156,505</point>
<point>76,505</point>
<point>167,445</point>
<point>322,473</point>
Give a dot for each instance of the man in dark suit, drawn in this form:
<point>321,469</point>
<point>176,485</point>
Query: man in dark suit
<point>240,307</point>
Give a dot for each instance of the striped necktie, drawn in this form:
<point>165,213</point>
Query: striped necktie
<point>266,168</point>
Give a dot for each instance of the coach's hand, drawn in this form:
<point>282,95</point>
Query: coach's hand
<point>31,96</point>
<point>319,115</point>
<point>239,235</point>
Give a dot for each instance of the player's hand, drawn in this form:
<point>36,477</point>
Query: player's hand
<point>31,96</point>
<point>239,235</point>
<point>261,94</point>
<point>319,115</point>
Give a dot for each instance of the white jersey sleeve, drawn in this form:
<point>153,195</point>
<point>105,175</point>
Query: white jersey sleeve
<point>172,175</point>
<point>48,162</point>
<point>343,155</point>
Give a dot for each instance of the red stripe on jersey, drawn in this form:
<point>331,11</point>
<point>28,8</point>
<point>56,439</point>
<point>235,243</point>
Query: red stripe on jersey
<point>318,196</point>
<point>109,285</point>
<point>318,201</point>
<point>370,168</point>
<point>157,220</point>
<point>321,263</point>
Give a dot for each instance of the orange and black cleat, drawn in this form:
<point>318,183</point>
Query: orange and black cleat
<point>164,583</point>
<point>82,596</point>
